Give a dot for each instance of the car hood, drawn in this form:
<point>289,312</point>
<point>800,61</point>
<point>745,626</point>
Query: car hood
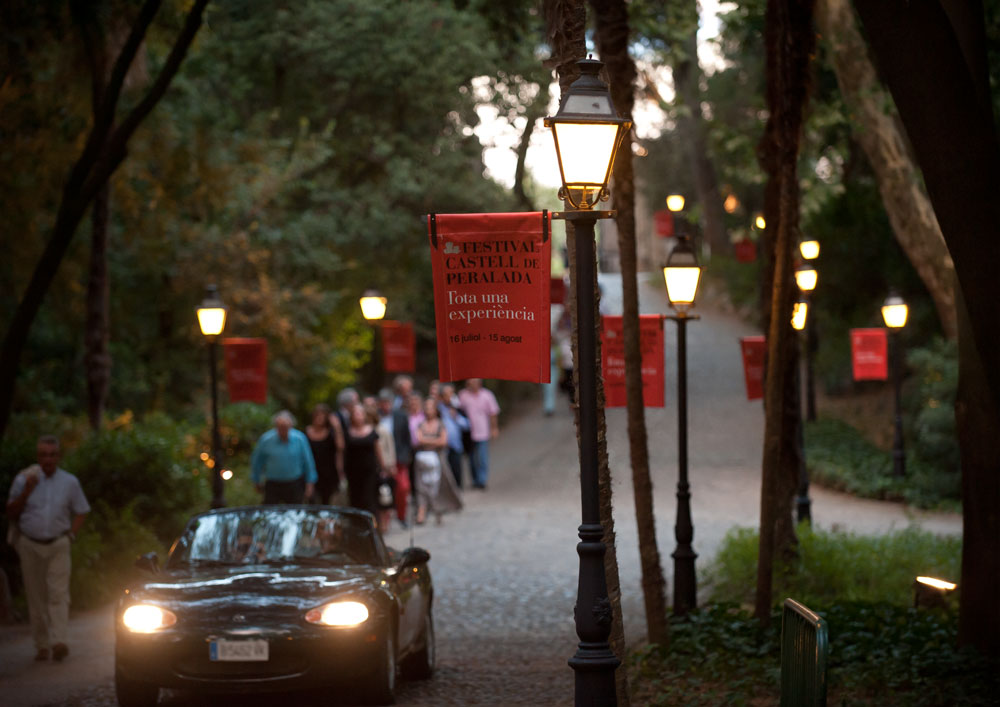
<point>257,586</point>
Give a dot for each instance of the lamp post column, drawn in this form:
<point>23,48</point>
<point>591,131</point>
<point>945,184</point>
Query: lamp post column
<point>803,505</point>
<point>898,455</point>
<point>594,661</point>
<point>685,583</point>
<point>218,494</point>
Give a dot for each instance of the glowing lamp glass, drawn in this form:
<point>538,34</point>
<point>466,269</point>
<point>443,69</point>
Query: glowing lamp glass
<point>937,583</point>
<point>373,306</point>
<point>227,474</point>
<point>212,320</point>
<point>682,284</point>
<point>759,222</point>
<point>585,151</point>
<point>731,204</point>
<point>809,249</point>
<point>681,275</point>
<point>675,202</point>
<point>894,312</point>
<point>342,614</point>
<point>146,618</point>
<point>799,313</point>
<point>806,278</point>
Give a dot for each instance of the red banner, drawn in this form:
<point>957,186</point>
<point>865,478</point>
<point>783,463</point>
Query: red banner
<point>491,295</point>
<point>870,354</point>
<point>745,250</point>
<point>613,360</point>
<point>399,347</point>
<point>664,222</point>
<point>246,369</point>
<point>754,350</point>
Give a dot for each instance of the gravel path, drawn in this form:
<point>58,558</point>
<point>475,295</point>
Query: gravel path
<point>505,569</point>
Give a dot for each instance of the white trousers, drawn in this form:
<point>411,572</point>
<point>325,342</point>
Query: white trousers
<point>46,570</point>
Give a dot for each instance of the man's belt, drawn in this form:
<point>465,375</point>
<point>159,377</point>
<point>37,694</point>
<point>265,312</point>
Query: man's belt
<point>42,542</point>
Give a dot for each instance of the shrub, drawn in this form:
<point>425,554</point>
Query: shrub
<point>836,566</point>
<point>930,412</point>
<point>148,467</point>
<point>839,457</point>
<point>878,654</point>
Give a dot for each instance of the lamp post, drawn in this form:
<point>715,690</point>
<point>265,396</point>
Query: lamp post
<point>681,275</point>
<point>587,132</point>
<point>212,320</point>
<point>373,306</point>
<point>800,322</point>
<point>894,311</point>
<point>809,250</point>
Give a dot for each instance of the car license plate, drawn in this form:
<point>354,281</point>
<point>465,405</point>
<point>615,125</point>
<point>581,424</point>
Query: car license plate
<point>238,650</point>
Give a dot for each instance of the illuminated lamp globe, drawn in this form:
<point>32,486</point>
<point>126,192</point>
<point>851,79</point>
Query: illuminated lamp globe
<point>805,278</point>
<point>681,275</point>
<point>800,311</point>
<point>675,202</point>
<point>894,312</point>
<point>373,305</point>
<point>587,132</point>
<point>212,313</point>
<point>809,249</point>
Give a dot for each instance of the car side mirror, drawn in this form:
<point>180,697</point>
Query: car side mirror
<point>150,562</point>
<point>413,556</point>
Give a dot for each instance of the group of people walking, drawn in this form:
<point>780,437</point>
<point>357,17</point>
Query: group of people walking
<point>387,448</point>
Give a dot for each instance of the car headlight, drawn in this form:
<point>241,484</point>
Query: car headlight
<point>146,618</point>
<point>338,613</point>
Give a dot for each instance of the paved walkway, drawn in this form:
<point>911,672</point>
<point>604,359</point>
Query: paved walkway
<point>505,569</point>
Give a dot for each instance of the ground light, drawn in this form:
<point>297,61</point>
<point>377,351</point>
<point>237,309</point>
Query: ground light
<point>894,313</point>
<point>587,133</point>
<point>930,592</point>
<point>212,320</point>
<point>681,275</point>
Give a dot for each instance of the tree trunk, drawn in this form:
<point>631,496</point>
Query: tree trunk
<point>104,150</point>
<point>790,42</point>
<point>611,19</point>
<point>566,25</point>
<point>876,128</point>
<point>97,359</point>
<point>687,82</point>
<point>948,116</point>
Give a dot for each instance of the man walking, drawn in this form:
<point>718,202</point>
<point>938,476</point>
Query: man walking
<point>480,406</point>
<point>396,421</point>
<point>282,465</point>
<point>47,507</point>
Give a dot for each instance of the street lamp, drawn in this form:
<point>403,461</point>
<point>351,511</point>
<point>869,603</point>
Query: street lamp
<point>800,321</point>
<point>212,320</point>
<point>681,275</point>
<point>809,249</point>
<point>805,278</point>
<point>894,311</point>
<point>587,133</point>
<point>373,306</point>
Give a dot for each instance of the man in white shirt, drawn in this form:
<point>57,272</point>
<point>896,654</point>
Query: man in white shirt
<point>47,507</point>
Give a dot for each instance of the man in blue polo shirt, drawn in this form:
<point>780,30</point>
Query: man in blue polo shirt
<point>282,465</point>
<point>47,506</point>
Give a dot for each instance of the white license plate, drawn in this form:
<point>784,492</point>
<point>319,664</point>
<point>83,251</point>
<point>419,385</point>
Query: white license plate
<point>238,650</point>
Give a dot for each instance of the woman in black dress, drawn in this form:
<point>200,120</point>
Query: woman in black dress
<point>362,460</point>
<point>326,440</point>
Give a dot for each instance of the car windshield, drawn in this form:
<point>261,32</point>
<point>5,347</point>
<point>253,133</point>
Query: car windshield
<point>276,535</point>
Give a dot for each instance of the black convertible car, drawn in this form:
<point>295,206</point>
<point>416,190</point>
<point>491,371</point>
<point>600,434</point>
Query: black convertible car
<point>276,598</point>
